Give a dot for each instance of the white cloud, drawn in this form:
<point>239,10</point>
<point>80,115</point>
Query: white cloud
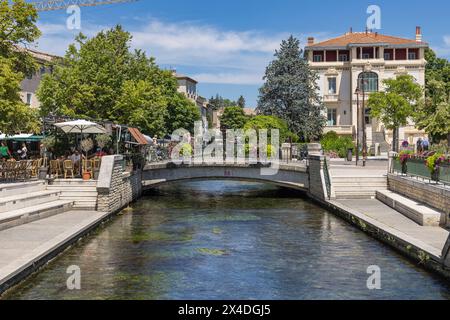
<point>447,40</point>
<point>443,50</point>
<point>221,56</point>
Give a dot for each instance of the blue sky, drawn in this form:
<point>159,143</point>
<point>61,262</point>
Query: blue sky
<point>226,45</point>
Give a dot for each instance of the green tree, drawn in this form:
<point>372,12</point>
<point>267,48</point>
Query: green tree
<point>271,122</point>
<point>241,102</point>
<point>218,102</point>
<point>17,27</point>
<point>182,114</point>
<point>290,92</point>
<point>396,104</point>
<point>15,116</point>
<point>433,115</point>
<point>143,106</point>
<point>233,118</point>
<point>101,78</point>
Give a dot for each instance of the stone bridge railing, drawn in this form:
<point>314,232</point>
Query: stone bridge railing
<point>309,176</point>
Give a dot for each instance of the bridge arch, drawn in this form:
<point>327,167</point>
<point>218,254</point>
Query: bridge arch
<point>288,176</point>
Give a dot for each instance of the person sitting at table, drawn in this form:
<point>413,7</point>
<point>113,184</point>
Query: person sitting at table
<point>23,152</point>
<point>76,158</point>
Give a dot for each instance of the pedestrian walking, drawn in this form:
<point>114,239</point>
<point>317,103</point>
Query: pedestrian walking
<point>425,144</point>
<point>419,145</point>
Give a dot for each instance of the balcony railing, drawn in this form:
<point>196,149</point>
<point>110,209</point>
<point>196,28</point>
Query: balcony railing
<point>331,98</point>
<point>341,130</point>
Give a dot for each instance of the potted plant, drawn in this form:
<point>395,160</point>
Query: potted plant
<point>433,162</point>
<point>87,145</point>
<point>403,157</point>
<point>103,140</point>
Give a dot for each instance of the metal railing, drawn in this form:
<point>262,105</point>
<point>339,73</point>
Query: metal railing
<point>417,168</point>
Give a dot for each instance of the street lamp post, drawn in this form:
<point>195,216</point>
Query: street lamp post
<point>364,146</point>
<point>357,124</point>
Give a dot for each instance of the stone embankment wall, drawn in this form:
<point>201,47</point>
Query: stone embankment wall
<point>117,188</point>
<point>433,196</point>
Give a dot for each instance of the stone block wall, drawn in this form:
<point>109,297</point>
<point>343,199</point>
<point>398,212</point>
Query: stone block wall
<point>317,186</point>
<point>433,196</point>
<point>116,188</point>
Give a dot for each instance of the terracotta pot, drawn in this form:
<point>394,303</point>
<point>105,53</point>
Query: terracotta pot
<point>86,176</point>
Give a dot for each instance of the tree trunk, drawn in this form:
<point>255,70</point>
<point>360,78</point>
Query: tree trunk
<point>448,139</point>
<point>395,140</point>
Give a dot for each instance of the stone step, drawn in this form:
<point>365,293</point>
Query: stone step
<point>72,188</point>
<point>79,194</point>
<point>355,194</point>
<point>26,200</point>
<point>359,179</point>
<point>11,189</point>
<point>358,190</point>
<point>74,182</point>
<point>85,204</point>
<point>359,184</point>
<point>418,212</point>
<point>25,215</point>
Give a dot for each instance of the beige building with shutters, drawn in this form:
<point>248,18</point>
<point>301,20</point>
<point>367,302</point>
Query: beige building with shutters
<point>342,63</point>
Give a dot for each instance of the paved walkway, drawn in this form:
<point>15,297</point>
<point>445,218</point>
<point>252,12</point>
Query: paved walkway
<point>341,168</point>
<point>430,239</point>
<point>24,245</point>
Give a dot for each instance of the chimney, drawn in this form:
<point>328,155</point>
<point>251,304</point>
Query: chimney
<point>418,34</point>
<point>310,41</point>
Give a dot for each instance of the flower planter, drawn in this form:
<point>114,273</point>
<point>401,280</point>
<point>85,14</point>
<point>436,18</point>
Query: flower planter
<point>86,176</point>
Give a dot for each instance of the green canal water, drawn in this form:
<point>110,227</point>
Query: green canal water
<point>229,240</point>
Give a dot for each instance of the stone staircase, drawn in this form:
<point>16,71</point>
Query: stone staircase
<point>82,193</point>
<point>25,202</point>
<point>364,187</point>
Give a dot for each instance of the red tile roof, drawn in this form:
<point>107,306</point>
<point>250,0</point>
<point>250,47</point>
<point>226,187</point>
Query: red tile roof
<point>363,38</point>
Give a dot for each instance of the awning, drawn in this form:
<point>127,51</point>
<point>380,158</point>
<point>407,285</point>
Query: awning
<point>22,137</point>
<point>138,136</point>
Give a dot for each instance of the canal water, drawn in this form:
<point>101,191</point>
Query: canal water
<point>230,240</point>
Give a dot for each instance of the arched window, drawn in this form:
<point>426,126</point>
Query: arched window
<point>369,80</point>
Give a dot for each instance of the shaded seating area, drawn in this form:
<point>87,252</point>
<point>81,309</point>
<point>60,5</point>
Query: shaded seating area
<point>12,170</point>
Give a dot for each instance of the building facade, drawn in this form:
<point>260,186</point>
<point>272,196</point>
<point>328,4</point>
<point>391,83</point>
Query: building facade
<point>346,63</point>
<point>188,87</point>
<point>31,83</point>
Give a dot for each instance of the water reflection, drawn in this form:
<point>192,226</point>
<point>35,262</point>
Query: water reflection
<point>228,240</point>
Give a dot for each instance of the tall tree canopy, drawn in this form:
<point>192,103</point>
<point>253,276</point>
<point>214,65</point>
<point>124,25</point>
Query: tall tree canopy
<point>17,29</point>
<point>241,102</point>
<point>290,92</point>
<point>101,78</point>
<point>233,118</point>
<point>396,104</point>
<point>270,122</point>
<point>218,102</point>
<point>433,115</point>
